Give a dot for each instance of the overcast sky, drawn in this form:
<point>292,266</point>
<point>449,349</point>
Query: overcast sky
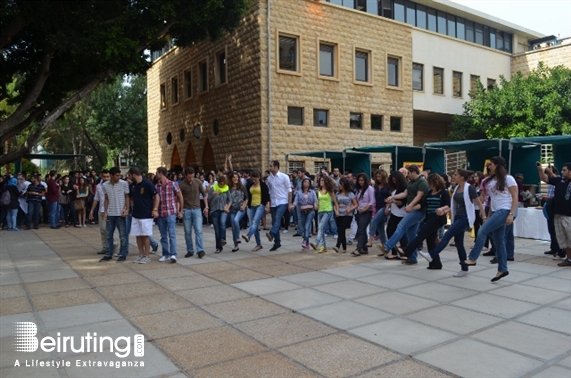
<point>549,17</point>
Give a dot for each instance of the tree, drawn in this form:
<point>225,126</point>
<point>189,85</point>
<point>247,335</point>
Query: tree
<point>533,105</point>
<point>59,51</point>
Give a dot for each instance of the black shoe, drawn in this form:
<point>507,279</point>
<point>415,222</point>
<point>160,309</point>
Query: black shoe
<point>101,252</point>
<point>189,254</point>
<point>549,253</point>
<point>495,260</point>
<point>274,248</point>
<point>201,254</point>
<point>27,228</point>
<point>121,259</point>
<point>155,249</point>
<point>497,278</point>
<point>489,253</point>
<point>106,258</point>
<point>296,235</point>
<point>55,228</point>
<point>36,227</point>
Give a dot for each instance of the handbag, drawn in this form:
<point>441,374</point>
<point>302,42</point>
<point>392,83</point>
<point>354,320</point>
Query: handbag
<point>63,199</point>
<point>79,204</point>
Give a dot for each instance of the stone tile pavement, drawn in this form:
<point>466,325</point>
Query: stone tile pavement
<point>281,314</point>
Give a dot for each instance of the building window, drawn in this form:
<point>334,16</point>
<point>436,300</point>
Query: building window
<point>319,165</point>
<point>491,84</point>
<point>163,96</point>
<point>474,80</point>
<point>221,68</point>
<point>456,84</point>
<point>479,28</point>
<point>355,120</point>
<point>396,123</point>
<point>294,116</point>
<point>399,10</point>
<point>327,59</point>
<point>441,22</point>
<point>187,84</point>
<point>387,9</point>
<point>288,53</point>
<point>460,28</point>
<point>376,122</point>
<point>470,31</point>
<point>417,77</point>
<point>410,13</point>
<point>174,90</point>
<point>432,20</point>
<point>294,166</point>
<point>320,117</point>
<point>362,66</point>
<point>451,25</point>
<point>393,67</point>
<point>421,16</point>
<point>203,76</point>
<point>438,80</point>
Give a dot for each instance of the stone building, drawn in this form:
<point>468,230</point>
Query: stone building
<point>306,75</point>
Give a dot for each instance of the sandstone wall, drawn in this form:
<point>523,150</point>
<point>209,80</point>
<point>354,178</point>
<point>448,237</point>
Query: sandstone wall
<point>551,56</point>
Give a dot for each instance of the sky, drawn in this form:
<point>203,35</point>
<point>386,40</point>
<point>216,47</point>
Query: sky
<point>549,17</point>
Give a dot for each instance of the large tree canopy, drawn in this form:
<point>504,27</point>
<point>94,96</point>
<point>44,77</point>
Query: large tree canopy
<point>57,52</point>
<point>532,105</point>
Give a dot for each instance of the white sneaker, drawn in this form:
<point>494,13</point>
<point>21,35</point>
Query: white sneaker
<point>138,259</point>
<point>173,259</point>
<point>144,260</point>
<point>335,236</point>
<point>427,256</point>
<point>461,273</point>
<point>558,258</point>
<point>164,258</point>
<point>284,232</point>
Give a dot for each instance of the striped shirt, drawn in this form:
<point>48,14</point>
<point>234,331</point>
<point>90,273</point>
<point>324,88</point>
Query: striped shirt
<point>167,193</point>
<point>116,196</point>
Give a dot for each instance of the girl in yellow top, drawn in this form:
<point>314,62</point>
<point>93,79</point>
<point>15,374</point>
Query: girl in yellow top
<point>217,201</point>
<point>327,208</point>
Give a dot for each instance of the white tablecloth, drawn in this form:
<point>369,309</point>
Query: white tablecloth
<point>531,224</point>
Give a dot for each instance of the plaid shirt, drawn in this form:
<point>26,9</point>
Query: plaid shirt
<point>167,194</point>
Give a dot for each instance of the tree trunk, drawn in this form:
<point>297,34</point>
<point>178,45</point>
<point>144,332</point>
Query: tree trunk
<point>97,153</point>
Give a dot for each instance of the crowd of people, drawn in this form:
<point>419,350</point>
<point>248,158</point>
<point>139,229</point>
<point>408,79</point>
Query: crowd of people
<point>401,209</point>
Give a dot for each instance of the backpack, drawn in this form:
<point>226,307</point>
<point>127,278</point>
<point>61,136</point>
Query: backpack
<point>6,198</point>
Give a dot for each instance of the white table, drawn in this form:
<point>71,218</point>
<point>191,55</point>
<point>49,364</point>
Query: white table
<point>531,224</point>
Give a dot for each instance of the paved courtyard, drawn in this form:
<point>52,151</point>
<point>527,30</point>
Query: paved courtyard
<point>282,314</point>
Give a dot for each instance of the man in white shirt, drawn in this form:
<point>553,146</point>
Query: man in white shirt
<point>99,199</point>
<point>116,209</point>
<point>280,200</point>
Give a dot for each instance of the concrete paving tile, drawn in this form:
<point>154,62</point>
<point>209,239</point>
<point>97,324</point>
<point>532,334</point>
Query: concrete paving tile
<point>438,292</point>
<point>85,314</point>
<point>175,322</point>
<point>18,305</point>
<point>12,291</point>
<point>472,282</point>
<point>294,256</point>
<point>564,273</point>
<point>301,298</point>
<point>564,304</point>
<point>228,256</point>
<point>349,289</point>
<point>266,286</point>
<point>65,299</point>
<point>406,369</point>
<point>514,277</point>
<point>150,304</point>
<point>550,283</point>
<point>281,270</point>
<point>173,270</point>
<point>212,346</point>
<point>422,273</point>
<point>331,355</point>
<point>352,271</point>
<point>48,275</point>
<point>391,280</point>
<point>7,322</point>
<point>96,268</point>
<point>533,268</point>
<point>545,261</point>
<point>219,266</point>
<point>137,289</point>
<point>455,358</point>
<point>195,261</point>
<point>395,302</point>
<point>115,279</point>
<point>553,372</point>
<point>495,305</point>
<point>156,364</point>
<point>320,264</point>
<point>261,365</point>
<point>257,262</point>
<point>526,339</point>
<point>566,362</point>
<point>244,309</point>
<point>37,266</point>
<point>312,278</point>
<point>403,335</point>
<point>346,314</point>
<point>530,294</point>
<point>57,286</point>
<point>454,319</point>
<point>552,318</point>
<point>237,275</point>
<point>29,372</point>
<point>212,294</point>
<point>9,279</point>
<point>8,355</point>
<point>285,329</point>
<point>187,282</point>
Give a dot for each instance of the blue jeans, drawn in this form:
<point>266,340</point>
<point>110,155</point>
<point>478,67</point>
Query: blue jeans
<point>235,218</point>
<point>456,231</point>
<point>277,215</point>
<point>305,221</point>
<point>119,223</point>
<point>168,235</point>
<point>496,227</point>
<point>128,220</point>
<point>300,227</point>
<point>255,214</point>
<point>12,218</point>
<point>323,218</point>
<point>408,226</point>
<point>192,220</point>
<point>153,242</point>
<point>219,221</point>
<point>34,209</point>
<point>54,214</point>
<point>378,225</point>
